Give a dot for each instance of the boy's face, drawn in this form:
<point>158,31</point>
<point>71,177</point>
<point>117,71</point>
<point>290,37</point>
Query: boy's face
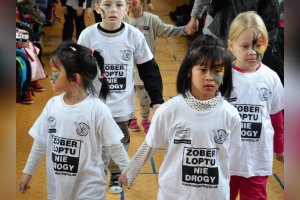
<point>112,11</point>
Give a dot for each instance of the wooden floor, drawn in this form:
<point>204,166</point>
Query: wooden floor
<point>169,55</point>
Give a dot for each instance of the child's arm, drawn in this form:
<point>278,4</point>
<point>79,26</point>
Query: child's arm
<point>136,164</point>
<point>167,30</point>
<point>198,10</point>
<point>150,75</point>
<point>119,155</point>
<point>37,151</point>
<point>277,123</point>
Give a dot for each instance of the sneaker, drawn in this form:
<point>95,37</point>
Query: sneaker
<point>36,86</point>
<point>133,126</point>
<point>28,99</point>
<point>114,186</point>
<point>146,124</point>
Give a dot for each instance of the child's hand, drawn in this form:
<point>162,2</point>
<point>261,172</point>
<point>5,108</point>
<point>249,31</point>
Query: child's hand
<point>279,157</point>
<point>189,30</point>
<point>123,180</point>
<point>24,183</point>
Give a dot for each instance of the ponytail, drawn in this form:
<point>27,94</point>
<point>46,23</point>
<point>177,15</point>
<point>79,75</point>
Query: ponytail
<point>105,85</point>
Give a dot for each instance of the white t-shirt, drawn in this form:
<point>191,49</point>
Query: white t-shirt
<point>74,136</point>
<point>256,96</point>
<point>120,52</point>
<point>196,163</point>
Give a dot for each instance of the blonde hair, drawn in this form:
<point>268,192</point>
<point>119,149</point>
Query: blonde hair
<point>244,20</point>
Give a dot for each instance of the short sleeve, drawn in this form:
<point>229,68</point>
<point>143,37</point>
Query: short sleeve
<point>157,132</point>
<point>39,130</point>
<point>235,136</point>
<point>109,131</point>
<point>277,101</point>
<point>142,52</point>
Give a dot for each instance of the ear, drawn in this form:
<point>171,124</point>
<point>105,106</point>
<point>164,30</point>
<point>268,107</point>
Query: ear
<point>97,8</point>
<point>230,45</point>
<point>76,78</point>
<point>126,7</point>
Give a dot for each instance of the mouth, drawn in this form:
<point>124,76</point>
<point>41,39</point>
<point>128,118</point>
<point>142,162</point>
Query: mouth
<point>209,86</point>
<point>252,60</point>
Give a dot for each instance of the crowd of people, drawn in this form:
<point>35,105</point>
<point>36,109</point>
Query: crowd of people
<point>220,132</point>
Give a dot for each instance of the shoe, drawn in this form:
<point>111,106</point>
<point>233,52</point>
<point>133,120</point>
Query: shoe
<point>114,186</point>
<point>28,99</point>
<point>146,124</point>
<point>36,86</point>
<point>133,126</point>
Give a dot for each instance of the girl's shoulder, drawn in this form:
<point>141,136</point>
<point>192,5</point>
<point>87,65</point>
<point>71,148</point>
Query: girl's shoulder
<point>173,103</point>
<point>224,106</point>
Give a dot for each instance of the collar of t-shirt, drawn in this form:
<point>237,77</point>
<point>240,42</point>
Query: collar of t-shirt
<point>112,33</point>
<point>201,105</point>
<point>243,71</point>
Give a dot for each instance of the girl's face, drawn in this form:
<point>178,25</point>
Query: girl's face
<point>112,12</point>
<point>248,49</point>
<point>206,80</point>
<point>135,6</point>
<point>58,77</point>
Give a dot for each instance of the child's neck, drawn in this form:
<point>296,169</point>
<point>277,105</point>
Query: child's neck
<point>136,14</point>
<point>74,97</point>
<point>114,30</point>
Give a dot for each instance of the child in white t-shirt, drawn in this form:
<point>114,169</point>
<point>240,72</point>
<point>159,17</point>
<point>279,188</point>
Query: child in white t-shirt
<point>152,27</point>
<point>198,127</point>
<point>258,96</point>
<point>122,46</point>
<point>73,128</point>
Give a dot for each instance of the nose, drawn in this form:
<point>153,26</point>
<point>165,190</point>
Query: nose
<point>252,51</point>
<point>113,8</point>
<point>208,75</point>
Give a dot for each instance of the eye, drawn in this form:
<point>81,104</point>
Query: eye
<point>119,5</point>
<point>202,68</point>
<point>218,68</point>
<point>106,5</point>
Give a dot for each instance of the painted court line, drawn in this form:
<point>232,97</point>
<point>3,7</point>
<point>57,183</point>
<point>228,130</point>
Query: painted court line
<point>279,181</point>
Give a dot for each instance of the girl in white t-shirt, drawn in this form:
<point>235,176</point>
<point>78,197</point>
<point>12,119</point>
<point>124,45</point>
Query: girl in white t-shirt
<point>258,96</point>
<point>73,128</point>
<point>198,126</point>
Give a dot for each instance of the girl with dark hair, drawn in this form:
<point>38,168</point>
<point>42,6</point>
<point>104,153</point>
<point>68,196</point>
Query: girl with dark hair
<point>73,128</point>
<point>198,127</point>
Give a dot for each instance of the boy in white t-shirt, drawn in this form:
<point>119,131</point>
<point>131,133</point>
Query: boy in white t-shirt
<point>122,46</point>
